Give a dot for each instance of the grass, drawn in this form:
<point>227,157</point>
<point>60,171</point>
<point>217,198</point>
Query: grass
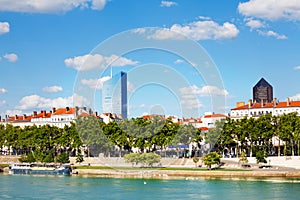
<point>4,165</point>
<point>91,167</point>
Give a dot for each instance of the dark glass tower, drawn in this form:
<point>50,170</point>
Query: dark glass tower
<point>114,95</point>
<point>262,91</point>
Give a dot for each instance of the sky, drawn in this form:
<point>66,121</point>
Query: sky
<point>183,58</point>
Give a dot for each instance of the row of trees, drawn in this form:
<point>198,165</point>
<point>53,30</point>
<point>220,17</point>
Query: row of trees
<point>44,143</point>
<point>144,135</point>
<point>49,143</point>
<point>88,134</point>
<point>266,135</point>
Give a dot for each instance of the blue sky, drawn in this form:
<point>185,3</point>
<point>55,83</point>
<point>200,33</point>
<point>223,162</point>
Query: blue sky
<point>46,46</point>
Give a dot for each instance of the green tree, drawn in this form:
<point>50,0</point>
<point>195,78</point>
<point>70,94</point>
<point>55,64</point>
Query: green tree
<point>63,158</point>
<point>195,160</point>
<point>149,159</point>
<point>288,128</point>
<point>243,158</point>
<point>133,158</point>
<point>90,132</point>
<point>211,158</point>
<point>261,156</point>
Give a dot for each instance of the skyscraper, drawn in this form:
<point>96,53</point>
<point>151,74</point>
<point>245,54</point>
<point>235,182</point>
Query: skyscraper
<point>114,95</point>
<point>262,91</point>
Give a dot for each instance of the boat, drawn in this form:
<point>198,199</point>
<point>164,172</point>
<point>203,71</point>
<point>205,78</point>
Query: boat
<point>40,168</point>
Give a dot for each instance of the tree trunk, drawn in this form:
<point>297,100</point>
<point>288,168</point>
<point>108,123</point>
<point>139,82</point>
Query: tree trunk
<point>298,150</point>
<point>278,146</point>
<point>251,147</point>
<point>292,142</point>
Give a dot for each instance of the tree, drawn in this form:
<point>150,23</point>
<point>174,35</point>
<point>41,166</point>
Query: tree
<point>91,133</point>
<point>49,157</point>
<point>79,158</point>
<point>287,130</point>
<point>213,136</point>
<point>149,159</point>
<point>261,156</point>
<point>63,158</point>
<point>211,158</point>
<point>243,158</point>
<point>133,158</point>
<point>195,160</point>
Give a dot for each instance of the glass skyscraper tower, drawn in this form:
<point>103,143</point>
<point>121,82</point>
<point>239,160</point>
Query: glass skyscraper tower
<point>114,95</point>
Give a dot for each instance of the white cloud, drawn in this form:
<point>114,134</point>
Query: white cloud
<point>191,103</point>
<point>199,30</point>
<point>167,3</point>
<point>145,113</point>
<point>98,4</point>
<point>53,89</point>
<point>95,83</point>
<point>13,112</point>
<point>189,95</point>
<point>139,30</point>
<point>178,61</point>
<point>207,90</point>
<point>166,34</point>
<point>11,57</point>
<point>50,6</point>
<point>272,34</point>
<point>2,103</point>
<point>3,91</point>
<point>204,18</point>
<point>37,102</point>
<point>254,24</point>
<point>297,67</point>
<point>97,61</point>
<point>4,27</point>
<point>295,97</point>
<point>271,9</point>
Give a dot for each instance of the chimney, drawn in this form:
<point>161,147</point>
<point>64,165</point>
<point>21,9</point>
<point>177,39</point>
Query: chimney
<point>76,111</point>
<point>274,102</point>
<point>24,116</point>
<point>96,113</point>
<point>0,118</point>
<point>16,117</point>
<point>250,103</point>
<point>67,109</point>
<point>34,113</point>
<point>288,101</point>
<point>90,111</point>
<point>262,103</point>
<point>239,104</point>
<point>53,110</point>
<point>84,108</point>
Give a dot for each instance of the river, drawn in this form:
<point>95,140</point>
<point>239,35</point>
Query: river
<point>79,187</point>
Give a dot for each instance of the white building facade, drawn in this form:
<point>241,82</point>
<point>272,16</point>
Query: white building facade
<point>258,109</point>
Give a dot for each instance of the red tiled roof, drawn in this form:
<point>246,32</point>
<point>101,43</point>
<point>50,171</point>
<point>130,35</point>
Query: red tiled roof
<point>283,104</point>
<point>17,118</point>
<point>84,115</point>
<point>215,116</point>
<point>43,114</point>
<point>64,111</point>
<point>179,122</point>
<point>203,128</point>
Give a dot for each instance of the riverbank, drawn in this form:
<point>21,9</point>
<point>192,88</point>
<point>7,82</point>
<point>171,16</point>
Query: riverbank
<point>181,173</point>
<point>173,168</point>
